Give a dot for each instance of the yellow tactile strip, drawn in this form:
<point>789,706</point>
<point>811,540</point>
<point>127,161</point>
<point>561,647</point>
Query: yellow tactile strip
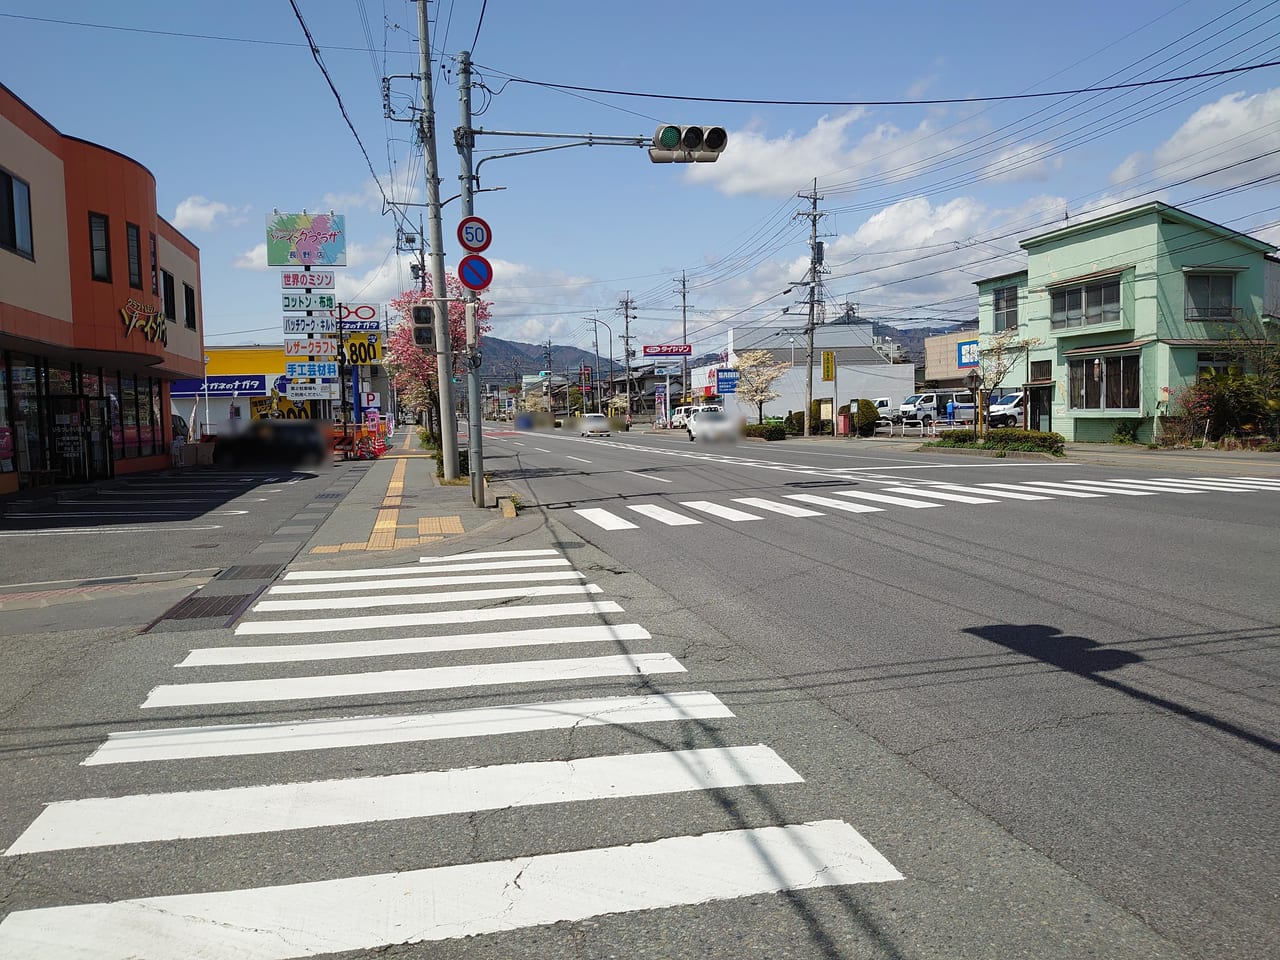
<point>387,526</point>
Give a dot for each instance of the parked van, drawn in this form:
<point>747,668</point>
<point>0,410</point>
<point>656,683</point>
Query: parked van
<point>680,416</point>
<point>932,406</point>
<point>884,406</point>
<point>1006,410</point>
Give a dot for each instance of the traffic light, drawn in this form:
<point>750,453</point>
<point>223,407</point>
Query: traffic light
<point>423,325</point>
<point>691,144</point>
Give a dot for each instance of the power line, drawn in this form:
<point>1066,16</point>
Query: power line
<point>884,103</point>
<point>480,23</point>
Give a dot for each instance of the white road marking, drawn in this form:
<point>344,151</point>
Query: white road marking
<point>1149,485</point>
<point>375,621</point>
<point>85,531</point>
<point>936,494</point>
<point>883,498</point>
<point>437,568</point>
<point>647,476</point>
<point>149,818</point>
<point>540,450</point>
<point>401,681</point>
<point>1268,481</point>
<point>491,555</point>
<point>517,443</point>
<point>1198,486</point>
<point>786,509</point>
<point>605,519</point>
<point>1058,491</point>
<point>579,459</point>
<point>716,510</point>
<point>412,599</point>
<point>1052,487</point>
<point>232,740</point>
<point>833,503</point>
<point>393,582</point>
<point>351,649</point>
<point>1007,495</point>
<point>444,903</point>
<point>663,515</point>
<point>124,514</point>
<point>1224,482</point>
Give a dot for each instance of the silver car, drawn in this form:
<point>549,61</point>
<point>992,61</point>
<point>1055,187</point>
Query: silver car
<point>594,424</point>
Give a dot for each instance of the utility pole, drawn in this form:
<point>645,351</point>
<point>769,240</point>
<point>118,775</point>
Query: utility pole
<point>549,388</point>
<point>595,333</point>
<point>440,294</point>
<point>814,260</point>
<point>684,337</point>
<point>465,140</point>
<point>626,347</point>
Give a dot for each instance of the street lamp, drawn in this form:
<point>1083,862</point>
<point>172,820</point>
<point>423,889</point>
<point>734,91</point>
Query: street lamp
<point>599,392</point>
<point>206,395</point>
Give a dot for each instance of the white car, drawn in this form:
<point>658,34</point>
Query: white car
<point>593,424</point>
<point>711,425</point>
<point>1006,411</point>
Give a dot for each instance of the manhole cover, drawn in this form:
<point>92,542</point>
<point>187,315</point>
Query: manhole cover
<point>250,571</point>
<point>196,607</point>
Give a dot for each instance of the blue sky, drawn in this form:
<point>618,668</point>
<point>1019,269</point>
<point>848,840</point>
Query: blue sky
<point>223,102</point>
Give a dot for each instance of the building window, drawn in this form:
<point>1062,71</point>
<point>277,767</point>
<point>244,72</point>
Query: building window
<point>1211,296</point>
<point>1004,302</point>
<point>1086,304</point>
<point>1041,369</point>
<point>1105,383</point>
<point>133,237</point>
<point>189,305</point>
<point>155,268</point>
<point>100,246</point>
<point>170,303</point>
<point>1209,364</point>
<point>15,214</point>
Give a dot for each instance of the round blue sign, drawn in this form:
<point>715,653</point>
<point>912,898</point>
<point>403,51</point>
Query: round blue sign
<point>475,272</point>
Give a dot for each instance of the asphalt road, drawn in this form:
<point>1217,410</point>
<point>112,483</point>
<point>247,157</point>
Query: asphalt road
<point>741,721</point>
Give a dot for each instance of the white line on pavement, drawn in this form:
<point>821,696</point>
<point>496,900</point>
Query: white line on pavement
<point>663,515</point>
<point>579,459</point>
<point>647,476</point>
<point>936,494</point>
<point>490,555</point>
<point>786,509</point>
<point>227,740</point>
<point>1053,487</point>
<point>85,531</point>
<point>883,498</point>
<point>148,818</point>
<point>400,681</point>
<point>352,649</point>
<point>443,903</point>
<point>834,504</point>
<point>390,582</point>
<point>717,510</point>
<point>1058,491</point>
<point>411,599</point>
<point>1003,494</point>
<point>419,569</point>
<point>374,621</point>
<point>605,519</point>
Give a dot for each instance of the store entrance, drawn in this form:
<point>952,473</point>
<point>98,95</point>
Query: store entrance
<point>80,452</point>
<point>1041,408</point>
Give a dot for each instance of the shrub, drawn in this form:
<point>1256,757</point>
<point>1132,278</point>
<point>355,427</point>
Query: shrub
<point>1012,438</point>
<point>1270,448</point>
<point>865,417</point>
<point>794,422</point>
<point>463,463</point>
<point>956,438</point>
<point>1126,432</point>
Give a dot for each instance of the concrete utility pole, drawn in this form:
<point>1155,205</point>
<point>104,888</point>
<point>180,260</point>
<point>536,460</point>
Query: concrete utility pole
<point>465,140</point>
<point>440,293</point>
<point>626,347</point>
<point>684,337</point>
<point>814,259</point>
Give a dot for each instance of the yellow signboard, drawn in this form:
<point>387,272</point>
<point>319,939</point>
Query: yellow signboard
<point>364,348</point>
<point>266,408</point>
<point>828,365</point>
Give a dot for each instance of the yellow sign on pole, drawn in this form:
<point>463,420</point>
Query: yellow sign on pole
<point>828,365</point>
<point>364,347</point>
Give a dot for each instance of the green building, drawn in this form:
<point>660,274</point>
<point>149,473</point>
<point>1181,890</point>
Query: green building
<point>1112,316</point>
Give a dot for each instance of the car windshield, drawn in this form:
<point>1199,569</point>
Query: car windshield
<point>711,415</point>
<point>1008,399</point>
<point>595,416</point>
<point>914,398</point>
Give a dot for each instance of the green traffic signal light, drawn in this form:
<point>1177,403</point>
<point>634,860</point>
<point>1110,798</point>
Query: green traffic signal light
<point>668,137</point>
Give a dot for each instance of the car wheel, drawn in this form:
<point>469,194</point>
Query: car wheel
<point>927,421</point>
<point>690,436</point>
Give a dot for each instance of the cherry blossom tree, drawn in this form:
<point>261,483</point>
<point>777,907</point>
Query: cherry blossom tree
<point>412,369</point>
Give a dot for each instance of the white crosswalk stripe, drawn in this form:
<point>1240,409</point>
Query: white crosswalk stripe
<point>937,494</point>
<point>1128,486</point>
<point>1058,491</point>
<point>718,510</point>
<point>884,498</point>
<point>1153,485</point>
<point>605,519</point>
<point>983,491</point>
<point>1087,485</point>
<point>663,515</point>
<point>441,902</point>
<point>1222,486</point>
<point>773,506</point>
<point>833,504</point>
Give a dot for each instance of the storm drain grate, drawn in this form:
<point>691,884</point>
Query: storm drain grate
<point>330,496</point>
<point>251,571</point>
<point>196,607</point>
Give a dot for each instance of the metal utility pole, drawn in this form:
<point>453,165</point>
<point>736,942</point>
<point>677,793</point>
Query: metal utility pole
<point>440,294</point>
<point>595,333</point>
<point>684,337</point>
<point>814,260</point>
<point>465,140</point>
<point>626,347</point>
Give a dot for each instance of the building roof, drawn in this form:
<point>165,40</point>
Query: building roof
<point>1144,210</point>
<point>1017,274</point>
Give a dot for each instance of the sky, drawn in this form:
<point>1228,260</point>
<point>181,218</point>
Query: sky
<point>226,105</point>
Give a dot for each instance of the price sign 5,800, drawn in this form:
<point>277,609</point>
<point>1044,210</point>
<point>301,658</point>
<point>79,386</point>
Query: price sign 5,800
<point>364,349</point>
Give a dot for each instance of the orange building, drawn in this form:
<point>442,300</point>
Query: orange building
<point>99,308</point>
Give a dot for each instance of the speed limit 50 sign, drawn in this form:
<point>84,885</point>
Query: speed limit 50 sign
<point>474,234</point>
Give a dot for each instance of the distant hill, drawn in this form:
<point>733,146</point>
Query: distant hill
<point>511,358</point>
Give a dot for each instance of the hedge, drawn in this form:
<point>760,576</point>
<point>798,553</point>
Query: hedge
<point>765,431</point>
<point>1003,438</point>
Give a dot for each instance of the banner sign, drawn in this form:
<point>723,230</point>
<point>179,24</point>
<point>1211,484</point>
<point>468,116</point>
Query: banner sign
<point>327,324</point>
<point>265,408</point>
<point>306,280</point>
<point>306,240</point>
<point>726,381</point>
<point>220,386</point>
<point>828,365</point>
<point>309,370</point>
<point>301,347</point>
<point>307,301</point>
<point>364,349</point>
<point>669,350</point>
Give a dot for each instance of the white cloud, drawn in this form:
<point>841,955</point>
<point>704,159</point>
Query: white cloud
<point>406,186</point>
<point>199,213</point>
<point>1021,163</point>
<point>255,259</point>
<point>1129,168</point>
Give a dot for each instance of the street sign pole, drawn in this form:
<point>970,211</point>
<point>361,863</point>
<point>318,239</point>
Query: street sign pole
<point>465,141</point>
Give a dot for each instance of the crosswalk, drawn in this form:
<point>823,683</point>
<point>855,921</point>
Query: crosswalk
<point>292,647</point>
<point>919,496</point>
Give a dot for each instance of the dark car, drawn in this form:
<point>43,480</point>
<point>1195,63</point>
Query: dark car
<point>275,443</point>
